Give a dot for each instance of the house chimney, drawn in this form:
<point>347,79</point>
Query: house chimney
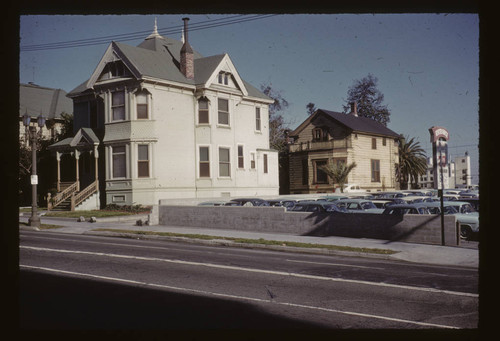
<point>354,109</point>
<point>187,59</point>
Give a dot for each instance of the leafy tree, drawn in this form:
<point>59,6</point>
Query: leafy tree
<point>66,128</point>
<point>368,99</point>
<point>412,162</point>
<point>277,126</point>
<point>339,173</point>
<point>311,108</point>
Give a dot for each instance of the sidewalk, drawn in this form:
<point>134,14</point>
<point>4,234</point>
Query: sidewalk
<point>410,252</point>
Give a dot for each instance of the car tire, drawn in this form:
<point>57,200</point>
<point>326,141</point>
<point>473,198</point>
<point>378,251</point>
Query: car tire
<point>465,232</point>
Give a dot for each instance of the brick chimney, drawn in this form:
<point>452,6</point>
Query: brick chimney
<point>354,109</point>
<point>187,59</point>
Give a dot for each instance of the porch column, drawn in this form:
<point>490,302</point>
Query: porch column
<point>77,157</point>
<point>96,157</point>
<point>58,157</point>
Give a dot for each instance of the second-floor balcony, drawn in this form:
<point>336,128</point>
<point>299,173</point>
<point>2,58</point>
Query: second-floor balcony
<point>320,145</point>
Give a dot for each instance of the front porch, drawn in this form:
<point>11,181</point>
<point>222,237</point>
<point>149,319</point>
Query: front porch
<point>72,194</point>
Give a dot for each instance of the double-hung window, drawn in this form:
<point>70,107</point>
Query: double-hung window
<point>224,162</point>
<point>223,111</point>
<point>252,160</point>
<point>203,111</point>
<point>375,170</point>
<point>204,162</point>
<point>241,160</point>
<point>118,105</point>
<point>143,161</point>
<point>257,119</point>
<point>142,105</point>
<point>119,162</point>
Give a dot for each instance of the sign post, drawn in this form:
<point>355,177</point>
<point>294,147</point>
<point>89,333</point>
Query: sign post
<point>439,140</point>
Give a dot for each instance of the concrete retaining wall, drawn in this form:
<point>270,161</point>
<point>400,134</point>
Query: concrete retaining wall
<point>408,228</point>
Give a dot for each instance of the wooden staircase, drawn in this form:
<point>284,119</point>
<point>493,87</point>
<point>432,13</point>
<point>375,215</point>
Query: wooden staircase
<point>71,197</point>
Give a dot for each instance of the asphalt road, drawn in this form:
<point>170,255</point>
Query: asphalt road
<point>78,281</point>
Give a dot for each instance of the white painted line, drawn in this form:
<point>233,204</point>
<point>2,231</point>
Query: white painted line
<point>237,268</point>
<point>333,264</point>
<point>244,298</point>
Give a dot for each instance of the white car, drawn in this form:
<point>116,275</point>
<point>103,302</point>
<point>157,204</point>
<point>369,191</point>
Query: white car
<point>350,188</point>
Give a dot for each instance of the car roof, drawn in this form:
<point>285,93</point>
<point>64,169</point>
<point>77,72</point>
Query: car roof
<point>404,206</point>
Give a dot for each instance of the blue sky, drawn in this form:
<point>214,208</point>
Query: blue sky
<point>427,65</point>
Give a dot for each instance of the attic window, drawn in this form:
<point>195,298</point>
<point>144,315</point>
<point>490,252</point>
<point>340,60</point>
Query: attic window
<point>114,69</point>
<point>320,134</point>
<point>224,78</point>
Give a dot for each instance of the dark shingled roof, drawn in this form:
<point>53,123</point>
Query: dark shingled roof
<point>355,123</point>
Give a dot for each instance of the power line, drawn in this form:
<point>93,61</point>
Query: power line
<point>236,19</point>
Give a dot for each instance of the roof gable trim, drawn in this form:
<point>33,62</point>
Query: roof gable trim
<point>226,65</point>
<point>112,54</point>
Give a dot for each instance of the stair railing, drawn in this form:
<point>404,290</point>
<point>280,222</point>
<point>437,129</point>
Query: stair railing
<point>78,198</point>
<point>61,196</point>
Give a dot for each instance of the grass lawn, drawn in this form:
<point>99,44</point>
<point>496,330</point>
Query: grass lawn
<point>91,213</point>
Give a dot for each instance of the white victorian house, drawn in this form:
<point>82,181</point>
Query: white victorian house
<point>169,123</point>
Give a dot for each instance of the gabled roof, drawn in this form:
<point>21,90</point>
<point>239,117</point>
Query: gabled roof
<point>85,137</point>
<point>159,57</point>
<point>35,99</point>
<point>354,123</point>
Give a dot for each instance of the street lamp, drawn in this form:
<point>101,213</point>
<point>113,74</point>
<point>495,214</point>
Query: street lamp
<point>34,221</point>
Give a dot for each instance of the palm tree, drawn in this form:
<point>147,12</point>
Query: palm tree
<point>339,173</point>
<point>412,161</point>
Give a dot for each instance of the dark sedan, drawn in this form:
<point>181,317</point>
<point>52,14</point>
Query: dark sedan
<point>317,206</point>
<point>247,202</point>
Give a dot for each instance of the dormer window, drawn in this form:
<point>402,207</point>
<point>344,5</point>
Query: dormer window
<point>224,78</point>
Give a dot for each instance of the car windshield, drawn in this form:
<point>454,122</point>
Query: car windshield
<point>423,210</point>
<point>367,205</point>
<point>467,208</point>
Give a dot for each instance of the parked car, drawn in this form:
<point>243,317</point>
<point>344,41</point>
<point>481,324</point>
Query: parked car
<point>466,216</point>
<point>380,195</point>
<point>414,199</point>
<point>401,209</point>
<point>332,198</point>
<point>247,202</point>
<point>350,188</point>
<point>384,203</point>
<point>359,206</point>
<point>317,206</point>
<point>473,201</point>
<point>281,203</point>
<point>212,203</point>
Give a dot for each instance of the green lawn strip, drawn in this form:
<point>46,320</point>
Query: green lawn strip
<point>44,226</point>
<point>254,241</point>
<point>90,213</point>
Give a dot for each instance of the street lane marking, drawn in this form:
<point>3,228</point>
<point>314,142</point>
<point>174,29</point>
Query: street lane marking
<point>244,298</point>
<point>237,268</point>
<point>333,264</point>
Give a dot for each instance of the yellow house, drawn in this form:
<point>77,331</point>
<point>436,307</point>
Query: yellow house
<point>329,137</point>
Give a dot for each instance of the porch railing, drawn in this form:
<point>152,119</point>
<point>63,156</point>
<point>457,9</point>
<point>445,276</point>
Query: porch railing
<point>320,145</point>
<point>84,194</point>
<point>61,196</point>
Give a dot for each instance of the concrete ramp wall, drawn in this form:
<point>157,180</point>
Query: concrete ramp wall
<point>408,228</point>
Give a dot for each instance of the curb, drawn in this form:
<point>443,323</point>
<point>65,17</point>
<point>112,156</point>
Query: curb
<point>229,243</point>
